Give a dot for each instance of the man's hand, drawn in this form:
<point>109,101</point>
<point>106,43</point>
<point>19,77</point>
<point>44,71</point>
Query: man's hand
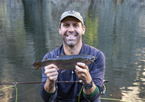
<point>83,73</point>
<point>52,74</point>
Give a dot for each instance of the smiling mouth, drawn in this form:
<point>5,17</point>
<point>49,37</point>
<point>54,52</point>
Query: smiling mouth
<point>70,36</point>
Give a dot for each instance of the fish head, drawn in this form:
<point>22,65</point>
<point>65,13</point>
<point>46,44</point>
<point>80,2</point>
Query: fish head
<point>90,60</point>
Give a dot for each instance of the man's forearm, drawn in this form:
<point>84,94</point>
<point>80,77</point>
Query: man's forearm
<point>50,86</point>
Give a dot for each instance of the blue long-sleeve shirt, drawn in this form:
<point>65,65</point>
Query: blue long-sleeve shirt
<point>69,92</point>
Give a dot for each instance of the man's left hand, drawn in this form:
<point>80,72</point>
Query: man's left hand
<point>83,73</point>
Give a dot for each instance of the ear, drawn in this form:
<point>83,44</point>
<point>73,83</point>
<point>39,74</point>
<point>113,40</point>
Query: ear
<point>83,28</point>
<point>59,28</point>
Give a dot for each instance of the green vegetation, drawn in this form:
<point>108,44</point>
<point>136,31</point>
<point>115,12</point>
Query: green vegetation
<point>91,34</point>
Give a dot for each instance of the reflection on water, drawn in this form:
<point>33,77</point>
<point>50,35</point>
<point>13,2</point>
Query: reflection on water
<point>29,29</point>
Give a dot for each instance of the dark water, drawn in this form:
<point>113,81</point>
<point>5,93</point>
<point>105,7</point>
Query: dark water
<point>29,29</point>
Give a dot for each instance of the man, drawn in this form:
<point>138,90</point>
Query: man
<point>71,29</point>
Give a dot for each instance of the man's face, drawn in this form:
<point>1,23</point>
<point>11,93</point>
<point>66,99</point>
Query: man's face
<point>71,30</point>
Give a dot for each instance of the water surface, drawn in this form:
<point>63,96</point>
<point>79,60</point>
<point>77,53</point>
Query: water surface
<point>29,29</point>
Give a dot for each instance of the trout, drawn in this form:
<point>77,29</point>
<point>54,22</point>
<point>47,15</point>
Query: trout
<point>65,62</point>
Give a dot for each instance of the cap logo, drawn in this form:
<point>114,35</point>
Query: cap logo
<point>71,12</point>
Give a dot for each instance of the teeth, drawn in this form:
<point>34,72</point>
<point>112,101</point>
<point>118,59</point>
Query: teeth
<point>71,36</point>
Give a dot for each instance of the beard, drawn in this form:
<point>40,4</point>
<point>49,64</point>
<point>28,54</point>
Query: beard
<point>71,39</point>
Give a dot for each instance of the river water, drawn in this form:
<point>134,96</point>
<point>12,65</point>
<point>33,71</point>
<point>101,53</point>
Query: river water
<point>29,29</point>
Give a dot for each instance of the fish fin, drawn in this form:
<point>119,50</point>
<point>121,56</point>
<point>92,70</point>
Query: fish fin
<point>62,71</point>
<point>45,59</point>
<point>62,55</point>
<point>37,65</point>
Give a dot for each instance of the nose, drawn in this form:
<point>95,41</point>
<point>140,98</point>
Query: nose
<point>71,29</point>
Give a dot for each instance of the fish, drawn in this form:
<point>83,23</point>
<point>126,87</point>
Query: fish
<point>65,62</point>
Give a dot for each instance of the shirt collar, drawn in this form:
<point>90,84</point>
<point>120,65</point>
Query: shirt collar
<point>82,49</point>
<point>81,52</point>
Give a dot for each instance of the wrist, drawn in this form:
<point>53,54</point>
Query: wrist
<point>49,86</point>
<point>85,82</point>
<point>89,85</point>
<point>91,90</point>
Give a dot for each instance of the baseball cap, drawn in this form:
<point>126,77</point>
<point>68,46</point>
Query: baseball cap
<point>73,14</point>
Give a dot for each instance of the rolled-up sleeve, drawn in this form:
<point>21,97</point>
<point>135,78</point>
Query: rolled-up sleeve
<point>92,97</point>
<point>47,97</point>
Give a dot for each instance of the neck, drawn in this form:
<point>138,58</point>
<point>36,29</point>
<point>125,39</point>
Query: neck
<point>72,50</point>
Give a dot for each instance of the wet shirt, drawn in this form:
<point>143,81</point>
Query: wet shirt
<point>69,92</point>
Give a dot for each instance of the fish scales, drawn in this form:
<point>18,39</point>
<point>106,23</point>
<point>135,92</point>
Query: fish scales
<point>65,62</point>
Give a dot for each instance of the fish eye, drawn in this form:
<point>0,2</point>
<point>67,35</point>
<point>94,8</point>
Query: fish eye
<point>92,58</point>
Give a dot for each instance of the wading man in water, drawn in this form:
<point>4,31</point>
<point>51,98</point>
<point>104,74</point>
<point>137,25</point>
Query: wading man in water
<point>71,29</point>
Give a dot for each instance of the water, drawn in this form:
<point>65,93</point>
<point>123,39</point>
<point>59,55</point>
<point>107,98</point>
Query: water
<point>29,29</point>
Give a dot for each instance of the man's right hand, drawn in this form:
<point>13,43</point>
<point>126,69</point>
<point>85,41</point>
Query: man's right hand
<point>51,72</point>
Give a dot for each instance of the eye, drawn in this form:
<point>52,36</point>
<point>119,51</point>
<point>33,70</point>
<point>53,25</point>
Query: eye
<point>75,25</point>
<point>92,59</point>
<point>66,25</point>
